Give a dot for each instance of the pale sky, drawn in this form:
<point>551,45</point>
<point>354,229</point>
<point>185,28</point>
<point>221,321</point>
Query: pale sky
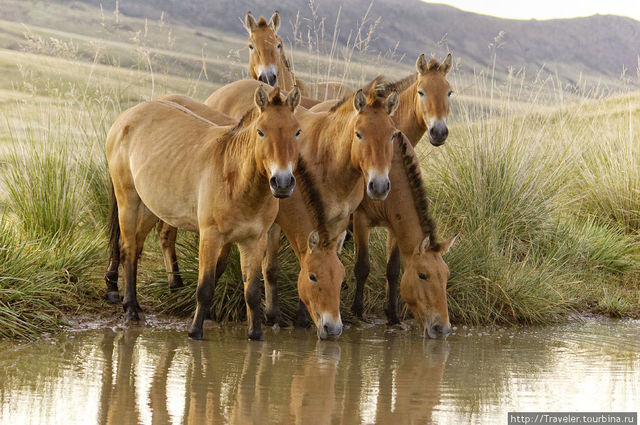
<point>547,9</point>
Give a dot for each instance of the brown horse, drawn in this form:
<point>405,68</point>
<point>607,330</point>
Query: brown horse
<point>269,64</point>
<point>405,215</point>
<point>424,101</point>
<point>345,147</point>
<point>166,233</point>
<point>223,182</point>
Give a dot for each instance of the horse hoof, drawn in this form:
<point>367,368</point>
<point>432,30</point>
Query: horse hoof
<point>357,310</point>
<point>256,335</point>
<point>112,297</point>
<point>195,333</point>
<point>302,322</point>
<point>394,321</point>
<point>271,318</point>
<point>175,284</point>
<point>131,316</point>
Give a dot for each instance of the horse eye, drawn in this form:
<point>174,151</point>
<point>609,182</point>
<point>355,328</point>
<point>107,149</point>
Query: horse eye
<point>260,133</point>
<point>450,91</point>
<point>298,133</point>
<point>279,45</point>
<point>250,46</point>
<point>422,276</point>
<point>394,135</point>
<point>313,278</point>
<point>421,92</point>
<point>359,136</point>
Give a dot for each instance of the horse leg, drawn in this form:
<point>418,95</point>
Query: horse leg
<point>209,249</point>
<point>363,266</point>
<point>111,276</point>
<point>167,235</point>
<point>251,255</point>
<point>270,275</point>
<point>135,223</point>
<point>302,319</point>
<point>393,273</point>
<point>221,265</point>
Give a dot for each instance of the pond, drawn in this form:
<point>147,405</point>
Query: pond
<point>372,374</point>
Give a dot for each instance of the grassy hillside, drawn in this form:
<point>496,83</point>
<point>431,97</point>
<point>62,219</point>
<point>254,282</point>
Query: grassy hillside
<point>541,182</point>
<point>594,47</point>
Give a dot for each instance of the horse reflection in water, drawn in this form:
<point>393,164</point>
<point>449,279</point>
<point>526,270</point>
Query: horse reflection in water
<point>117,400</point>
<point>306,382</point>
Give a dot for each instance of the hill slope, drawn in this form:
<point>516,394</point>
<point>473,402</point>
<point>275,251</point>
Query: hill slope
<point>595,46</point>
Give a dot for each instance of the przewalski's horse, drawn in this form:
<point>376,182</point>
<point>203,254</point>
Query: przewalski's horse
<point>405,214</point>
<point>168,163</point>
<point>269,64</point>
<point>424,101</point>
<point>166,233</point>
<point>347,149</point>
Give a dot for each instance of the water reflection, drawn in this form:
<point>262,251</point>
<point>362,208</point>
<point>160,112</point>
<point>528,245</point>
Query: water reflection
<point>370,376</point>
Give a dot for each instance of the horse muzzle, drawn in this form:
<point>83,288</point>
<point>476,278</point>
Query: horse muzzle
<point>438,133</point>
<point>437,330</point>
<point>268,77</point>
<point>282,184</point>
<point>327,326</point>
<point>378,187</point>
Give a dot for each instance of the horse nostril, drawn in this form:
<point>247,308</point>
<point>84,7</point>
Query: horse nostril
<point>370,186</point>
<point>437,329</point>
<point>388,186</point>
<point>273,182</point>
<point>292,181</point>
<point>326,328</point>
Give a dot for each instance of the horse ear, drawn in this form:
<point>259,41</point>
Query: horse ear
<point>261,99</point>
<point>445,66</point>
<point>424,245</point>
<point>293,100</point>
<point>421,64</point>
<point>274,22</point>
<point>392,103</point>
<point>446,245</point>
<point>313,240</point>
<point>250,22</point>
<point>359,101</point>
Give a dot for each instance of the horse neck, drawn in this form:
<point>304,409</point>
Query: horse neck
<point>407,231</point>
<point>407,117</point>
<point>333,149</point>
<point>239,166</point>
<point>285,76</point>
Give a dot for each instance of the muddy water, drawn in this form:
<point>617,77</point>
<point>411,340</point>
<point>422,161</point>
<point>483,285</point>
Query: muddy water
<point>371,375</point>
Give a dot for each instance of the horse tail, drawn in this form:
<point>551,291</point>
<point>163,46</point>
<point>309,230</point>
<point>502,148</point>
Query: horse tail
<point>114,224</point>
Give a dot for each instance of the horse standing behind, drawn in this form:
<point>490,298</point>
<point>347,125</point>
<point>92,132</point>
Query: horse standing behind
<point>269,64</point>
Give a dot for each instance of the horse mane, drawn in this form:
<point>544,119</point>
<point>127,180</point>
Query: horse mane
<point>385,88</point>
<point>368,90</point>
<point>313,200</point>
<point>246,119</point>
<point>414,178</point>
